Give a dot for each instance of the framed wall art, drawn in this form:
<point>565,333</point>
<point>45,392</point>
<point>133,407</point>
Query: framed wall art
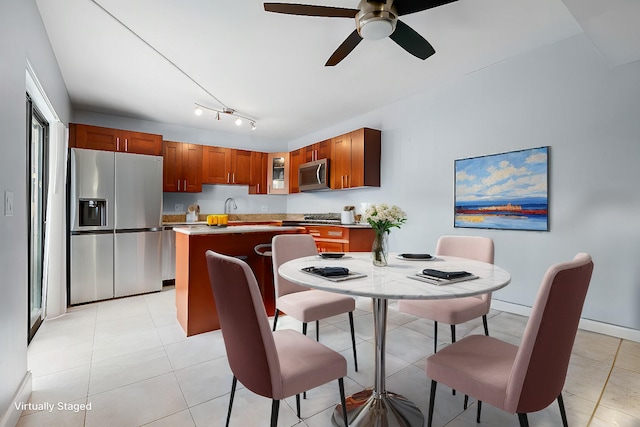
<point>507,191</point>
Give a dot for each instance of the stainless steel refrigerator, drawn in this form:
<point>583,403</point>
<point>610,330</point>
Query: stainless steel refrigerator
<point>115,209</point>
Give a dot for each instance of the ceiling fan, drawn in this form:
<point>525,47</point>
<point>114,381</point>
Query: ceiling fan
<point>375,20</point>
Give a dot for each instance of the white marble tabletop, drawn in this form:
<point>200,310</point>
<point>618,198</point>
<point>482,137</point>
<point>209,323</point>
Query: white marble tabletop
<point>392,281</point>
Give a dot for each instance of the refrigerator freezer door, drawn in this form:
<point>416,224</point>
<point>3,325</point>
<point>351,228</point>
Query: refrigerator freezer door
<point>92,177</point>
<point>138,263</point>
<point>138,191</point>
<point>91,267</point>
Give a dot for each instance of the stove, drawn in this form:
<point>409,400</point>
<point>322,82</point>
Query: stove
<point>317,218</point>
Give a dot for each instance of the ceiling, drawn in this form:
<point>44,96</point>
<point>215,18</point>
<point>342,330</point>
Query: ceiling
<point>154,59</point>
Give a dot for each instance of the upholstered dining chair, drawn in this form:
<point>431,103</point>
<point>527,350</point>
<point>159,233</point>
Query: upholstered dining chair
<point>457,310</point>
<point>299,302</point>
<point>530,377</point>
<point>272,364</point>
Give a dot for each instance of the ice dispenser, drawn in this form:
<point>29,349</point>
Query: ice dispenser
<point>93,212</point>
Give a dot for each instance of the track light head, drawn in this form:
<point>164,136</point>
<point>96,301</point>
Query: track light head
<point>198,110</point>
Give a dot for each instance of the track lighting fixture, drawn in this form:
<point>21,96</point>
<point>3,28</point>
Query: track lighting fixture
<point>226,111</point>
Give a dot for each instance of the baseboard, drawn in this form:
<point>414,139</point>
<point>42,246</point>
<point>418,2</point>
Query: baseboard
<point>585,324</point>
<point>12,414</point>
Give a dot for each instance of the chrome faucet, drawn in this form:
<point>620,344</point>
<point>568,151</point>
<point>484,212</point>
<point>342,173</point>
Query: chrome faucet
<point>228,204</point>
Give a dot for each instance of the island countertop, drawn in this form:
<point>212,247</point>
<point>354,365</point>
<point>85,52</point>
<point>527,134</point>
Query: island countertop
<point>199,229</point>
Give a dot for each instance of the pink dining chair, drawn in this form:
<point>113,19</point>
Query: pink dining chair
<point>457,310</point>
<point>302,303</point>
<point>530,377</point>
<point>272,364</point>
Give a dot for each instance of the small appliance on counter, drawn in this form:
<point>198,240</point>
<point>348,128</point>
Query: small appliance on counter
<point>193,212</point>
<point>347,216</point>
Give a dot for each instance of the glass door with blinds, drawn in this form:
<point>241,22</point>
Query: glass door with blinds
<point>37,144</point>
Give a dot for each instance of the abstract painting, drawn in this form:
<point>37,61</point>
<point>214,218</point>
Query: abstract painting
<point>507,191</point>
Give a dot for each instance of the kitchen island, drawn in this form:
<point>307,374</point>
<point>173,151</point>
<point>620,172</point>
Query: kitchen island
<point>196,309</point>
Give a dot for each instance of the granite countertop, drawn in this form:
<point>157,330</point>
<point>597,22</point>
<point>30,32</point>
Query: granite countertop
<point>199,229</point>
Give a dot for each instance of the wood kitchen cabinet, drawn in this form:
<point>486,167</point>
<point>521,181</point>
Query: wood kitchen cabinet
<point>108,139</point>
<point>182,167</point>
<point>222,165</point>
<point>336,238</point>
<point>317,151</point>
<point>355,159</point>
<point>296,158</point>
<point>278,173</point>
<point>258,179</point>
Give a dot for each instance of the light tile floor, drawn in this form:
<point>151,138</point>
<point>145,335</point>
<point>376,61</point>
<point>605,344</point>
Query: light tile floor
<point>130,362</point>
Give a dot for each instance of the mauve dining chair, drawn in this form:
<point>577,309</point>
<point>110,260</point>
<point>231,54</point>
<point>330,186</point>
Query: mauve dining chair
<point>530,377</point>
<point>272,364</point>
<point>302,303</point>
<point>456,310</point>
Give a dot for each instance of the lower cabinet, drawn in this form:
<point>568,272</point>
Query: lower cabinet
<point>336,238</point>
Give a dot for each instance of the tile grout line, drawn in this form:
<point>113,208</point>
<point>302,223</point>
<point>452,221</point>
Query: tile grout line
<point>613,364</point>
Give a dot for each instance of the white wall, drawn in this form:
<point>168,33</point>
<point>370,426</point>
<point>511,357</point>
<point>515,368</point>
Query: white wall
<point>22,39</point>
<point>563,96</point>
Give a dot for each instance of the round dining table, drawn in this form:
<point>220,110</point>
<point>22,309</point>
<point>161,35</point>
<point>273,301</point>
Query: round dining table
<point>377,406</point>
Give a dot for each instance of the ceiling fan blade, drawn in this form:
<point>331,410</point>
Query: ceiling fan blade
<point>310,10</point>
<point>344,49</point>
<point>405,7</point>
<point>407,38</point>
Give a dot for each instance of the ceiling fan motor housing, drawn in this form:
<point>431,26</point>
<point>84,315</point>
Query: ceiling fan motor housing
<point>376,20</point>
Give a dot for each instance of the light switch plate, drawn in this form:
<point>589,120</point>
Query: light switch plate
<point>8,203</point>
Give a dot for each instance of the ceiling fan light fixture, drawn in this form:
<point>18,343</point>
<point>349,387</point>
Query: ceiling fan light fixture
<point>376,27</point>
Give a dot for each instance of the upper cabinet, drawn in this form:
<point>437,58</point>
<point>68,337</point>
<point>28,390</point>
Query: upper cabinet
<point>278,173</point>
<point>258,179</point>
<point>108,139</point>
<point>355,159</point>
<point>317,151</point>
<point>296,158</point>
<point>182,167</point>
<point>226,166</point>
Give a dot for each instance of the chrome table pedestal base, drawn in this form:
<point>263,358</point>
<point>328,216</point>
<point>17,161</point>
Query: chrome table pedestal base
<point>385,410</point>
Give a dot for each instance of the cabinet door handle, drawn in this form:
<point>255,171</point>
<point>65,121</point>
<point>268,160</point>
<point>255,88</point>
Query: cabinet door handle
<point>185,185</point>
<point>178,185</point>
<point>233,177</point>
<point>258,188</point>
<point>342,181</point>
<point>126,144</point>
<point>117,144</point>
<point>228,177</point>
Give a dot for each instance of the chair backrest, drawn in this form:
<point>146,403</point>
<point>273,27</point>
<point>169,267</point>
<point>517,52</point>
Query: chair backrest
<point>541,364</point>
<point>471,247</point>
<point>245,328</point>
<point>285,247</point>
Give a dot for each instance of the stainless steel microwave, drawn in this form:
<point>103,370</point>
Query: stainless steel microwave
<point>314,176</point>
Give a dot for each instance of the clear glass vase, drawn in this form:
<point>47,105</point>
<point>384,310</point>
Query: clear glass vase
<point>380,249</point>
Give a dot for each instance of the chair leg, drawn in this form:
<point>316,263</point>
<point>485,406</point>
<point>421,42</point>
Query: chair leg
<point>317,330</point>
<point>304,328</point>
<point>486,326</point>
<point>524,421</point>
<point>479,410</point>
<point>275,319</point>
<point>353,340</point>
<point>233,393</point>
<point>563,413</point>
<point>453,339</point>
<point>275,408</point>
<point>432,401</point>
<point>298,405</point>
<point>343,401</point>
<point>466,401</point>
<point>435,337</point>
